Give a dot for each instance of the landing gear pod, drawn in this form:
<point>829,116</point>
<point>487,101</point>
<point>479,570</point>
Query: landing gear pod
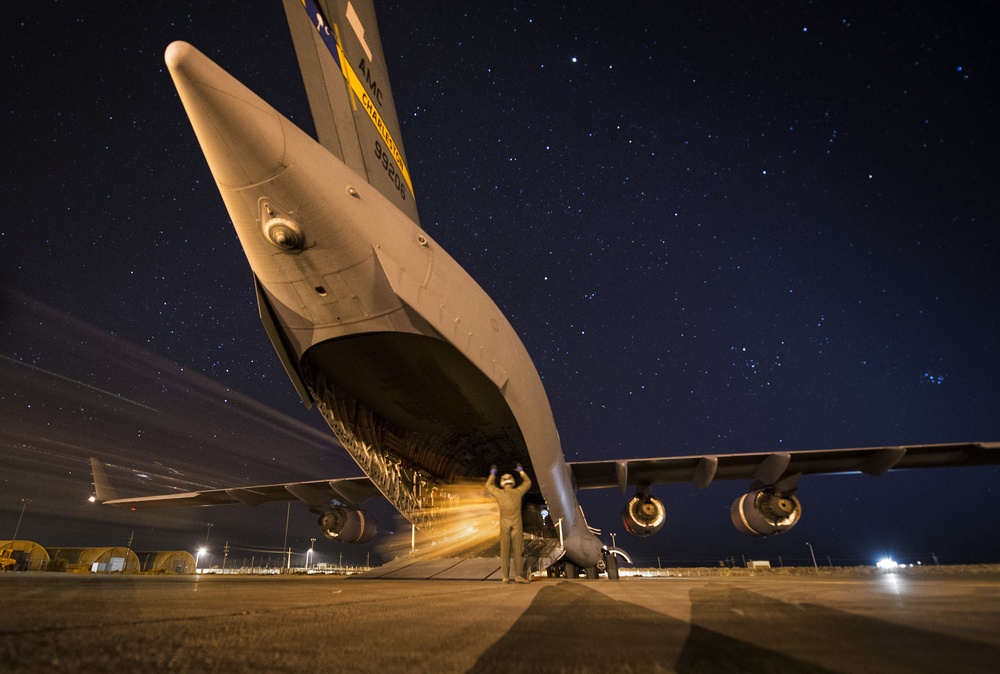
<point>644,515</point>
<point>348,525</point>
<point>764,512</point>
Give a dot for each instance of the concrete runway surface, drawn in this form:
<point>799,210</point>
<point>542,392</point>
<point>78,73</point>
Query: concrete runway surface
<point>887,623</point>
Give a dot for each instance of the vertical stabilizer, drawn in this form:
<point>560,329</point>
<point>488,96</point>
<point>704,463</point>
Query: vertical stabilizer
<point>340,55</point>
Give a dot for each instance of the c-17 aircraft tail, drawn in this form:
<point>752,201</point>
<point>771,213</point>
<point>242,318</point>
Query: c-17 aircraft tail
<point>417,372</point>
<point>347,83</point>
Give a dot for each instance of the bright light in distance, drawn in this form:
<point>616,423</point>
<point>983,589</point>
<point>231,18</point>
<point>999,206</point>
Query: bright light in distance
<point>202,551</point>
<point>887,563</point>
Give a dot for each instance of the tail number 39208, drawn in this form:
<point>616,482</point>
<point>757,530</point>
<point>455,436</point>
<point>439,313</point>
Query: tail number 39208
<point>389,165</point>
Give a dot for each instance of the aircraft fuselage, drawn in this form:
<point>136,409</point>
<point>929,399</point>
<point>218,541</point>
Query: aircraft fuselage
<point>418,372</point>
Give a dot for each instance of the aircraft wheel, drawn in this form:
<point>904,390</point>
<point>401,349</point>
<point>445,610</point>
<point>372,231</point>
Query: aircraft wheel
<point>591,572</point>
<point>569,569</point>
<point>611,561</point>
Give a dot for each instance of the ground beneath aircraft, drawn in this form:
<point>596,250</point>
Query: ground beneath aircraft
<point>886,623</point>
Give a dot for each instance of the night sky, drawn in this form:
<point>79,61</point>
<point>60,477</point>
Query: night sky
<point>717,227</point>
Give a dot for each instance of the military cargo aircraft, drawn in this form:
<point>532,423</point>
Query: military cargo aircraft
<point>420,376</point>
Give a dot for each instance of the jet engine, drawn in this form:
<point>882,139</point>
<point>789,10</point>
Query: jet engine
<point>348,525</point>
<point>644,515</point>
<point>765,512</point>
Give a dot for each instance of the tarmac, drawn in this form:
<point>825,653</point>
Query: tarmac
<point>61,622</point>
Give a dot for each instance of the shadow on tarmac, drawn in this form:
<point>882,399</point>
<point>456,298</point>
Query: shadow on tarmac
<point>731,625</point>
<point>571,627</point>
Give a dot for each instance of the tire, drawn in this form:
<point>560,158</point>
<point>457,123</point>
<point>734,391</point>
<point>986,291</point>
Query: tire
<point>611,561</point>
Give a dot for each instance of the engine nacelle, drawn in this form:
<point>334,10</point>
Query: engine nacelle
<point>763,512</point>
<point>644,515</point>
<point>348,525</point>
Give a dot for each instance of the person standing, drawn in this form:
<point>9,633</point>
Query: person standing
<point>511,529</point>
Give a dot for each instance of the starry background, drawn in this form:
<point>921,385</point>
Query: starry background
<point>717,228</point>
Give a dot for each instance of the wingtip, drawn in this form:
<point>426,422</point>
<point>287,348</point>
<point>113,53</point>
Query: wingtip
<point>103,491</point>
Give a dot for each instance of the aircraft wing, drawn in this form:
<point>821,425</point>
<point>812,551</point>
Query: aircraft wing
<point>771,467</point>
<point>351,491</point>
<point>340,55</point>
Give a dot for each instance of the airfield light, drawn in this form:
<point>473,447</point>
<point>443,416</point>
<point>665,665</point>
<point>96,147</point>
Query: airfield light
<point>92,499</point>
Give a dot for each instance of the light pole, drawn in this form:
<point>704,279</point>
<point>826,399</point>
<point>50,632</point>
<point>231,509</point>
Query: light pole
<point>127,551</point>
<point>813,552</point>
<point>284,544</point>
<point>204,549</point>
<point>24,504</point>
<point>312,544</point>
